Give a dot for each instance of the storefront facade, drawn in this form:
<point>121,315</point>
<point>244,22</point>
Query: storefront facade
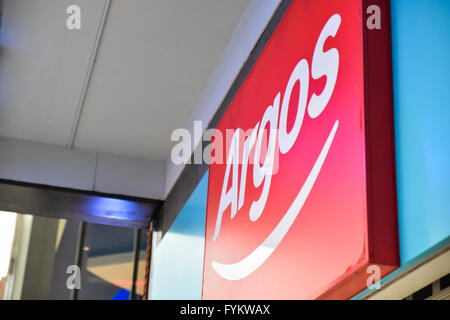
<point>246,149</point>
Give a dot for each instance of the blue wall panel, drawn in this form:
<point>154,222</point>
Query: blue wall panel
<point>421,68</point>
<point>178,259</point>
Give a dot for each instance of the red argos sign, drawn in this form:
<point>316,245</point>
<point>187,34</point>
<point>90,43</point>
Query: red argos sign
<point>305,202</point>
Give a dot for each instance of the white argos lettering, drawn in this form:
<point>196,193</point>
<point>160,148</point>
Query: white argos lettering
<point>248,145</point>
<point>265,172</point>
<point>230,196</point>
<point>323,64</point>
<point>301,73</point>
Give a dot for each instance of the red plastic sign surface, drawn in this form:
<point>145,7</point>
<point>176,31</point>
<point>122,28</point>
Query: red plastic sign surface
<point>288,214</point>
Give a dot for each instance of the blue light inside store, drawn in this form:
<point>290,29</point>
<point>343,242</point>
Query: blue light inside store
<point>112,208</point>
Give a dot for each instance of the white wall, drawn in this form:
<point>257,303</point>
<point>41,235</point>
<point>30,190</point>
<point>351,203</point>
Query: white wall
<point>42,163</point>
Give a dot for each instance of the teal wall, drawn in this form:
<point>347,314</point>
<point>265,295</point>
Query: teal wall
<point>421,68</point>
<point>178,259</point>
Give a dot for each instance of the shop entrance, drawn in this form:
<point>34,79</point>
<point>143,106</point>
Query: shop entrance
<point>68,244</point>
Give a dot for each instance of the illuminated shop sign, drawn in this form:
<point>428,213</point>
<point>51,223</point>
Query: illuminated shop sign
<point>304,206</point>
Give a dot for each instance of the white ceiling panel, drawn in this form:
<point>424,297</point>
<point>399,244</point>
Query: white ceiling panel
<point>154,59</point>
<point>42,67</point>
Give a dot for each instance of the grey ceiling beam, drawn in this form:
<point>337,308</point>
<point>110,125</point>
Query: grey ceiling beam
<point>87,80</point>
<point>47,164</point>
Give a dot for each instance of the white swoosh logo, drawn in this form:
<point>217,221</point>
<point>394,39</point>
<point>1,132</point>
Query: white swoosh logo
<point>254,260</point>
